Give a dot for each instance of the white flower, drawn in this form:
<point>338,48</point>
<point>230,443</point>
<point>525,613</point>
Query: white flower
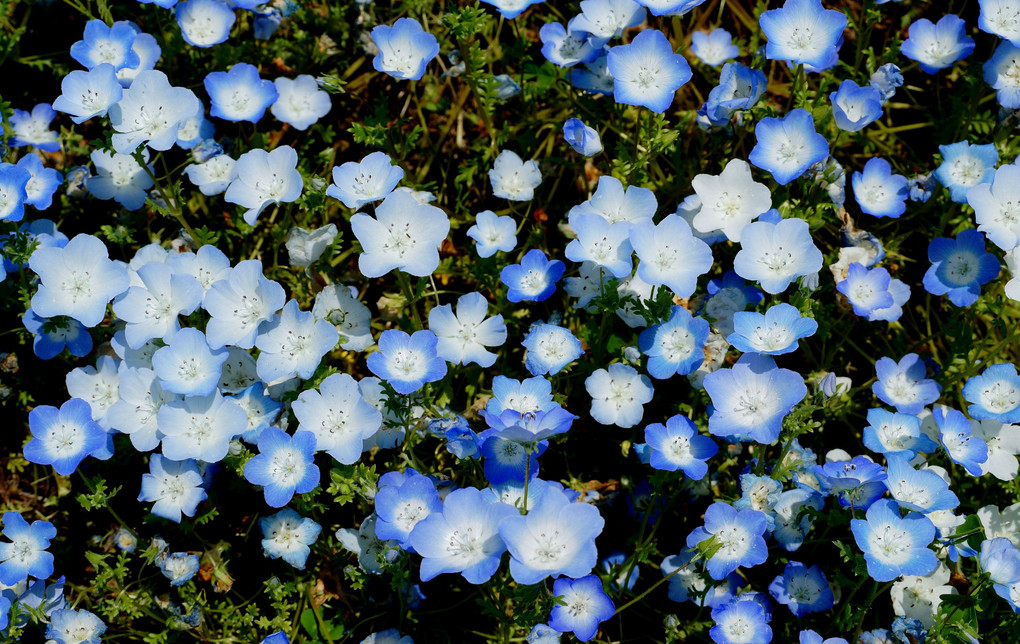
<point>464,336</point>
<point>371,550</point>
<point>730,200</point>
<point>1005,524</point>
<point>340,306</point>
<point>618,395</point>
<point>919,597</point>
<point>1003,445</point>
<point>99,386</point>
<point>306,247</point>
<point>151,112</point>
<point>514,179</point>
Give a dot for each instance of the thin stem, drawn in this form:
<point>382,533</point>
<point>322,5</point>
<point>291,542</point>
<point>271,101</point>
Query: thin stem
<point>655,585</point>
<point>405,287</point>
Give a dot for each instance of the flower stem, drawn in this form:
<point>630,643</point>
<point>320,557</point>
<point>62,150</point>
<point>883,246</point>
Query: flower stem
<point>405,287</point>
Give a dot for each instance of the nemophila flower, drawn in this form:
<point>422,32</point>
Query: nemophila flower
<point>773,333</point>
<point>688,581</point>
<point>492,233</point>
<point>802,589</point>
<point>300,102</point>
<point>509,459</point>
<point>775,254</point>
<point>286,535</point>
<point>566,47</point>
<point>919,597</point>
<point>759,493</point>
<point>963,446</point>
<point>200,427</point>
<point>854,107</point>
<point>965,166</point>
<point>1003,443</point>
<point>174,486</point>
<point>204,23</point>
<point>120,177</point>
<point>88,94</point>
<point>713,48</point>
<point>903,385</point>
<point>894,433</point>
<point>594,77</point>
<point>550,349</point>
<point>995,394</point>
<point>646,72</point>
<point>464,336</point>
<point>148,51</point>
<point>921,490</point>
<point>614,203</point>
<point>76,280</point>
<point>726,297</point>
<point>403,234</point>
<point>262,179</point>
<point>678,446</point>
<point>867,290</point>
<point>239,304</point>
<point>357,183</point>
<point>886,79</point>
<point>960,267</point>
<point>151,310</point>
<point>150,111</point>
<point>729,200</point>
<point>1000,71</point>
<point>463,537</point>
<point>894,545</point>
<point>402,505</point>
<point>25,554</point>
<point>585,606</point>
<point>600,242</point>
<point>741,622</point>
<point>135,412</point>
<point>522,396</point>
<point>555,537</point>
<point>670,254</point>
<point>69,626</point>
<point>95,385</point>
<point>788,146</point>
<point>996,204</point>
<point>618,395</point>
<point>305,247</point>
<point>284,466</point>
<point>259,407</point>
<point>676,346</point>
<point>737,539</point>
<point>585,140</point>
<point>404,50</point>
<point>63,437</point>
<point>811,637</point>
<point>293,344</point>
<point>510,9</point>
<point>13,191</point>
<point>339,304</point>
<point>407,362</point>
<point>42,183</point>
<point>606,19</point>
<point>514,179</point>
<point>534,279</point>
<point>239,94</point>
<point>878,191</point>
<point>33,128</point>
<point>212,177</point>
<point>739,89</point>
<point>803,33</point>
<point>339,417</point>
<point>1000,18</point>
<point>389,636</point>
<point>372,552</point>
<point>187,365</point>
<point>751,399</point>
<point>106,44</point>
<point>937,46</point>
<point>52,335</point>
<point>998,557</point>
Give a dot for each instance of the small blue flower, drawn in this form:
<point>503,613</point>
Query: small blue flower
<point>965,166</point>
<point>357,183</point>
<point>804,33</point>
<point>802,589</point>
<point>204,23</point>
<point>239,94</point>
<point>856,483</point>
<point>63,437</point>
<point>896,433</point>
<point>42,184</point>
<point>200,427</point>
<point>963,446</point>
<point>878,191</point>
<point>788,146</point>
<point>186,365</point>
<point>288,536</point>
<point>894,545</point>
<point>855,107</point>
<point>33,128</point>
<point>739,89</point>
<point>293,344</point>
<point>583,139</point>
<point>106,44</point>
<point>26,553</point>
<point>401,505</point>
<point>175,486</point>
<point>751,399</point>
<point>994,394</point>
<point>960,267</point>
<point>534,279</point>
<point>605,244</point>
<point>566,47</point>
<point>920,490</point>
<point>179,567</point>
<point>773,333</point>
<point>738,535</point>
<point>775,254</point>
<point>937,46</point>
<point>867,290</point>
<point>886,79</point>
<point>675,346</point>
<point>85,94</point>
<point>52,335</point>
<point>407,362</point>
<point>492,233</point>
<point>903,384</point>
<point>740,622</point>
<point>585,606</point>
<point>647,72</point>
<point>510,9</point>
<point>677,445</point>
<point>68,626</point>
<point>713,48</point>
<point>284,466</point>
<point>404,49</point>
<point>811,637</point>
